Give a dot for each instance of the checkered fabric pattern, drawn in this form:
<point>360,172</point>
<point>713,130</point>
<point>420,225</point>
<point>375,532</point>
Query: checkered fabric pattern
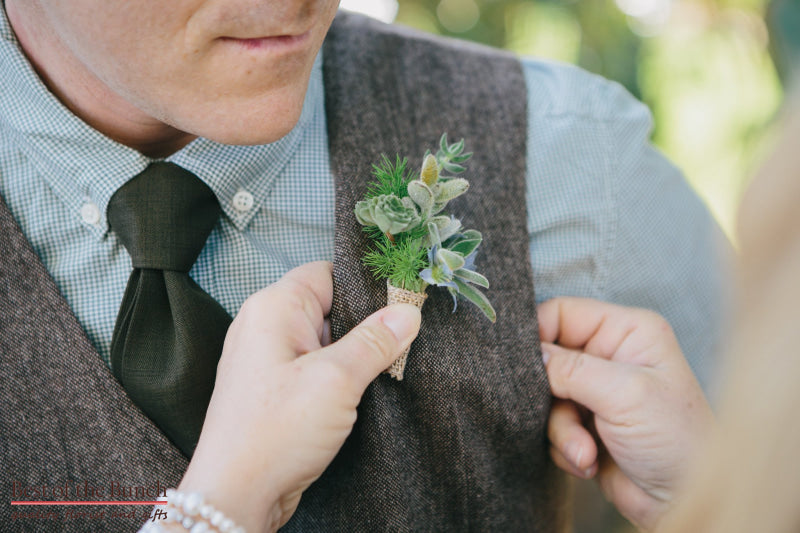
<point>608,216</point>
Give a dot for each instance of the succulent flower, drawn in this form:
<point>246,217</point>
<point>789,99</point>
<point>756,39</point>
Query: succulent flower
<point>391,214</point>
<point>416,246</point>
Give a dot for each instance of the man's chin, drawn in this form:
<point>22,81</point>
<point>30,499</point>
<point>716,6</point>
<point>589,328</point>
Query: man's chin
<point>249,138</point>
<point>247,127</point>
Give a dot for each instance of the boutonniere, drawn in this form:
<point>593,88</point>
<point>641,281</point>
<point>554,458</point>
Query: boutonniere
<point>415,243</point>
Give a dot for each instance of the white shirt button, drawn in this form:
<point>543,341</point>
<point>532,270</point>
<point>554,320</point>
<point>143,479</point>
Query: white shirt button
<point>90,213</point>
<point>242,201</point>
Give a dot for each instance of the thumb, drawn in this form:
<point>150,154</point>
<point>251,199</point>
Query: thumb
<point>369,348</point>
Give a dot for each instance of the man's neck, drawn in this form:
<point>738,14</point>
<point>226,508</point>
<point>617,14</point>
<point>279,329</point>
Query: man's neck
<point>83,93</point>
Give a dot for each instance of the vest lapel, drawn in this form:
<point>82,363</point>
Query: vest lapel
<point>460,443</point>
<point>65,421</point>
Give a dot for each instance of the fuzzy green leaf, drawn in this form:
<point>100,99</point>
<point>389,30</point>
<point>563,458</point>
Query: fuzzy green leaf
<point>447,190</point>
<point>465,243</point>
<point>478,298</point>
<point>472,277</point>
<point>433,233</point>
<point>453,260</point>
<point>438,207</point>
<point>437,225</point>
<point>443,143</point>
<point>449,229</point>
<point>472,234</point>
<point>465,246</point>
<point>422,196</point>
<point>441,221</point>
<point>453,168</point>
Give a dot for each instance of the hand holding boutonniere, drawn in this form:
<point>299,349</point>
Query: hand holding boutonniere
<point>416,244</point>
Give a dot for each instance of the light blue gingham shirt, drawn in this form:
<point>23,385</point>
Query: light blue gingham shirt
<point>609,217</point>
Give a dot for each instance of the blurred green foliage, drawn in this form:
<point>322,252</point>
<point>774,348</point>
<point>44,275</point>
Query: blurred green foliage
<point>703,67</point>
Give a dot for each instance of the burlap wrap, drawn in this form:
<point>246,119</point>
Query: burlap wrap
<point>396,295</point>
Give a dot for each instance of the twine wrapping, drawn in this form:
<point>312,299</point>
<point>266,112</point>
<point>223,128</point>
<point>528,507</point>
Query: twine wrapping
<point>396,295</point>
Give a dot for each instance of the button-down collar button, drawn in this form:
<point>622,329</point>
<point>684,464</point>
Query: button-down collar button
<point>90,213</point>
<point>242,201</point>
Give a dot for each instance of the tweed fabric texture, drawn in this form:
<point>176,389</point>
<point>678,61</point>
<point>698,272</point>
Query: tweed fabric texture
<point>462,450</point>
<point>65,420</point>
<point>460,444</point>
<point>396,295</point>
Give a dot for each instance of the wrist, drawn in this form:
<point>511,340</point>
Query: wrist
<point>249,502</point>
<point>189,511</point>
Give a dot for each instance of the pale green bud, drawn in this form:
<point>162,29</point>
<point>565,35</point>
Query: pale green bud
<point>430,171</point>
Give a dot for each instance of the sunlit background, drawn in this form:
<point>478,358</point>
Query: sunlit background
<point>706,68</point>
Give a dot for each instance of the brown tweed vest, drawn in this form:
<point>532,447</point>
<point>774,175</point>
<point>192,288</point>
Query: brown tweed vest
<point>459,445</point>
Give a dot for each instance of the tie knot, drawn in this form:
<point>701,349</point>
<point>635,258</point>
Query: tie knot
<point>163,217</point>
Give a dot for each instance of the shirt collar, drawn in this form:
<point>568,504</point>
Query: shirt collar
<point>84,167</point>
<point>250,171</point>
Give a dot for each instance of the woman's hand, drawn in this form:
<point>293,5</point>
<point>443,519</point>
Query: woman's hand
<point>283,402</point>
<point>627,407</point>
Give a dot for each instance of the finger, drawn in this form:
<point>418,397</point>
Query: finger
<point>590,381</point>
<point>569,437</point>
<point>372,346</point>
<point>633,502</point>
<point>565,465</point>
<point>606,330</point>
<point>291,310</point>
<point>325,338</point>
<point>317,277</point>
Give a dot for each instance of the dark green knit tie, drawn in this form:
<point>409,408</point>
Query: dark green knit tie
<point>169,332</point>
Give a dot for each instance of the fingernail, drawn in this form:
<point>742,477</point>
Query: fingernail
<point>545,357</point>
<point>403,320</point>
<point>578,457</point>
<point>574,453</point>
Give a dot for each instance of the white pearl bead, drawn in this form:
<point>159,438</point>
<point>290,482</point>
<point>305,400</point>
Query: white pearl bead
<point>226,525</point>
<point>200,527</point>
<point>192,503</point>
<point>217,518</point>
<point>206,511</point>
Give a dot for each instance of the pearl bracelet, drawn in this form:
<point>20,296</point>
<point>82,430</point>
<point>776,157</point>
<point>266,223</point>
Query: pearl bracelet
<point>190,511</point>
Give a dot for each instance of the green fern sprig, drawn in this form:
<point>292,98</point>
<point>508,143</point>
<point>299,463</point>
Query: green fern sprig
<point>400,262</point>
<point>390,178</point>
